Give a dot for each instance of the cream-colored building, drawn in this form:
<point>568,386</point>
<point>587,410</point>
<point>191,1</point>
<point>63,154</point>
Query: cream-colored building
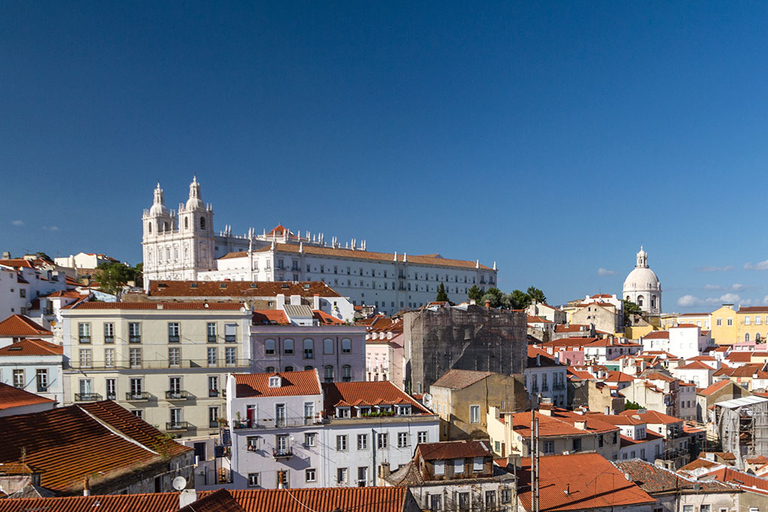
<point>752,323</point>
<point>166,362</point>
<point>724,326</point>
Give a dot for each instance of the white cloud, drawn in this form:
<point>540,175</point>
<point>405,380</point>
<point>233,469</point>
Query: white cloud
<point>763,265</point>
<point>731,298</point>
<point>51,228</point>
<point>710,268</point>
<point>605,272</point>
<point>17,222</point>
<point>689,301</point>
<point>712,287</point>
<point>738,287</point>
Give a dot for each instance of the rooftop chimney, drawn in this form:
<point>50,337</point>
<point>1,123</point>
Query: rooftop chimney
<point>487,304</point>
<point>86,486</point>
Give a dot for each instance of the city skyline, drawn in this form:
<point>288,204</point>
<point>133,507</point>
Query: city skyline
<point>552,139</point>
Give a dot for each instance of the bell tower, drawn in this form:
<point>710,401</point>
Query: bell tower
<point>196,233</point>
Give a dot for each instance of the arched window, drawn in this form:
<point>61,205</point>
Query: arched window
<point>640,300</point>
<point>202,222</point>
<point>653,301</point>
<point>288,347</point>
<point>328,373</point>
<point>186,222</point>
<point>328,346</point>
<point>150,227</point>
<point>746,337</point>
<point>289,368</point>
<point>308,368</point>
<point>757,337</point>
<point>270,369</point>
<point>309,348</point>
<point>269,347</point>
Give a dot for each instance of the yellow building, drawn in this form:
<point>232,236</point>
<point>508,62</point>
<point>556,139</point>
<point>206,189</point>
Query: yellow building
<point>752,323</point>
<point>724,325</point>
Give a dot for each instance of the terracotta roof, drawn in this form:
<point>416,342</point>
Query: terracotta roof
<point>242,289</point>
<point>454,450</point>
<point>590,481</point>
<point>656,335</point>
<point>11,397</point>
<point>32,347</point>
<point>699,463</point>
<point>176,306</point>
<point>569,342</point>
<point>158,502</point>
<point>355,499</point>
<point>17,262</point>
<point>428,259</point>
<point>740,356</point>
<point>367,393</point>
<point>571,328</point>
<point>269,317</point>
<point>538,320</point>
<point>655,479</point>
<point>753,309</point>
<point>19,325</point>
<point>326,319</point>
<point>743,480</point>
<point>653,417</point>
<point>560,423</point>
<point>696,365</point>
<point>90,447</point>
<point>460,379</point>
<point>748,370</point>
<point>618,377</point>
<point>538,358</point>
<point>684,326</point>
<point>298,383</point>
<point>658,376</point>
<point>649,437</point>
<point>217,501</point>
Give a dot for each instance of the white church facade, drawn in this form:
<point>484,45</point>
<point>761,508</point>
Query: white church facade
<point>643,287</point>
<point>182,245</point>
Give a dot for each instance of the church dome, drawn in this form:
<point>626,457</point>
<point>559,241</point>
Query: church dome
<point>194,202</point>
<point>158,206</point>
<point>641,279</point>
<point>643,287</point>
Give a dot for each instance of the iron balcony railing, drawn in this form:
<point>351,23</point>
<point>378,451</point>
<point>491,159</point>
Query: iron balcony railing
<point>87,397</point>
<point>176,395</point>
<point>137,397</point>
<point>177,425</point>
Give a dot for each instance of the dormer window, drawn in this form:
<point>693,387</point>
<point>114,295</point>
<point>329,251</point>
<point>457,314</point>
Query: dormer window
<point>275,381</point>
<point>363,411</point>
<point>403,410</point>
<point>343,412</point>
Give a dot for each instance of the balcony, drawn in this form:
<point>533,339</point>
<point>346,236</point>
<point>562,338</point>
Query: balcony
<point>85,339</point>
<point>281,423</point>
<point>213,393</point>
<point>211,338</point>
<point>111,396</point>
<point>282,453</point>
<point>134,339</point>
<point>176,395</point>
<point>137,397</point>
<point>87,397</point>
<point>230,338</point>
<point>109,339</point>
<point>177,425</point>
<point>173,338</point>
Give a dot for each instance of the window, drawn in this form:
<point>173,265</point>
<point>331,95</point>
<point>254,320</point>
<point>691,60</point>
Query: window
<point>134,357</point>
<point>346,373</point>
<point>719,322</point>
<point>362,441</point>
<point>212,356</point>
<point>269,347</point>
<point>328,373</point>
<point>175,418</point>
<point>362,476</point>
<point>506,495</point>
<point>134,332</point>
<point>309,348</point>
<point>136,389</point>
<point>328,346</point>
<point>310,475</point>
<point>111,389</point>
<point>109,333</point>
<point>280,415</point>
<point>288,347</point>
<point>281,444</point>
<point>253,443</point>
<point>84,332</point>
<point>230,356</point>
<point>577,445</point>
<point>213,385</point>
<point>85,358</point>
<point>138,413</point>
<point>422,436</point>
<point>211,328</point>
<point>230,333</point>
<point>435,502</point>
<point>729,322</point>
<point>549,447</point>
<point>439,467</point>
<point>746,320</point>
<point>402,439</point>
<point>687,508</point>
<point>42,380</point>
<point>109,357</point>
<point>382,440</point>
<point>474,414</point>
<point>346,346</point>
<point>341,443</point>
<point>458,466</point>
<point>173,332</point>
<point>490,500</point>
<point>174,356</point>
<point>341,475</point>
<point>310,439</point>
<point>174,386</point>
<point>477,464</point>
<point>254,479</point>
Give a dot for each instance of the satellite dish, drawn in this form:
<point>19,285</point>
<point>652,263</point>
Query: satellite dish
<point>179,483</point>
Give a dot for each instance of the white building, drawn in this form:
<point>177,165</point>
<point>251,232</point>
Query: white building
<point>544,377</point>
<point>22,281</point>
<point>182,245</point>
<point>34,365</point>
<point>288,430</point>
<point>643,287</point>
<point>83,261</point>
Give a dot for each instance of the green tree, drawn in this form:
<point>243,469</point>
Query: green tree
<point>536,295</point>
<point>629,404</point>
<point>517,300</point>
<point>630,310</point>
<point>475,294</point>
<point>44,256</point>
<point>442,295</point>
<point>494,296</point>
<point>138,274</point>
<point>113,275</point>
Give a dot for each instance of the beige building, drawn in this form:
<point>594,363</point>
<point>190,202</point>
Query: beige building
<point>165,362</point>
<point>461,399</point>
<point>752,323</point>
<point>604,316</point>
<point>724,328</point>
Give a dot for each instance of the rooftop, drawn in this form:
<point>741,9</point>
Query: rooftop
<point>240,289</point>
<point>298,383</point>
<point>32,347</point>
<point>454,450</point>
<point>19,325</point>
<point>11,397</point>
<point>347,394</point>
<point>460,379</point>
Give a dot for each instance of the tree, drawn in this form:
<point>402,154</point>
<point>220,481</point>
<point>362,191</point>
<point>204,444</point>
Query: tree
<point>138,275</point>
<point>630,405</point>
<point>475,294</point>
<point>517,300</point>
<point>44,256</point>
<point>494,296</point>
<point>536,295</point>
<point>113,275</point>
<point>630,310</point>
<point>442,295</point>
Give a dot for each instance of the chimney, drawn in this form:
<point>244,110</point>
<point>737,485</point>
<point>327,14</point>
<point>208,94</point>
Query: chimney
<point>316,302</point>
<point>280,302</point>
<point>187,497</point>
<point>580,424</point>
<point>487,304</point>
<point>384,470</point>
<point>86,486</point>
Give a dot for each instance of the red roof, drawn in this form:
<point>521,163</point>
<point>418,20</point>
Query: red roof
<point>89,449</point>
<point>158,502</point>
<point>696,365</point>
<point>657,335</point>
<point>240,289</point>
<point>32,348</point>
<point>577,482</point>
<point>11,397</point>
<point>18,325</point>
<point>560,423</point>
<point>326,319</point>
<point>299,383</point>
<point>367,394</point>
<point>354,499</point>
<point>454,450</point>
<point>653,417</point>
<point>176,306</point>
<point>270,317</point>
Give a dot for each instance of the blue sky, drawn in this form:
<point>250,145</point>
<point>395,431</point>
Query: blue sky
<point>551,137</point>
